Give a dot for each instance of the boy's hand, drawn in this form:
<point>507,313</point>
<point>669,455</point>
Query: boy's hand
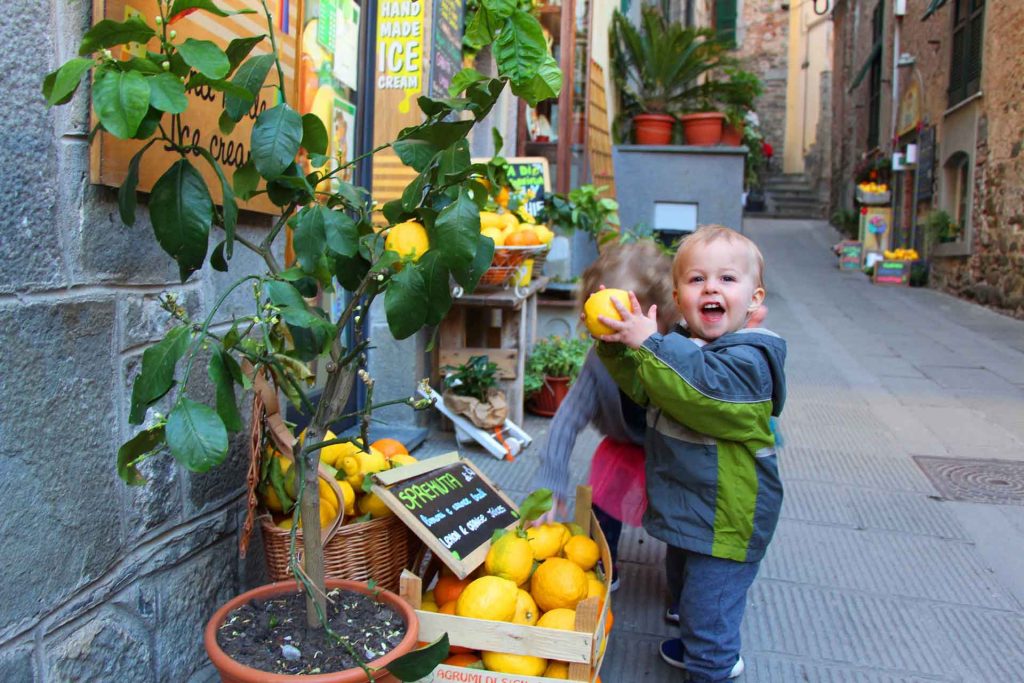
<point>634,328</point>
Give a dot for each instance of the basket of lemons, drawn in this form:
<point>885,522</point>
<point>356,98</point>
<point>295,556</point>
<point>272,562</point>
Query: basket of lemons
<point>519,248</point>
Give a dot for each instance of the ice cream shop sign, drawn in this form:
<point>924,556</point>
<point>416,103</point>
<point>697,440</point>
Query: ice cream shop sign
<point>400,32</point>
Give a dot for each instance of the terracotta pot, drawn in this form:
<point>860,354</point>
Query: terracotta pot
<point>546,401</point>
<point>233,672</point>
<point>704,128</point>
<point>732,135</point>
<point>653,129</point>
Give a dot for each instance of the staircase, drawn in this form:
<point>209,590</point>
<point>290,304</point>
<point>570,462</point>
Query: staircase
<point>791,195</point>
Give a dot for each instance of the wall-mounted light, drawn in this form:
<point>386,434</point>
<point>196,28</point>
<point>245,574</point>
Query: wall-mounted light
<point>906,59</point>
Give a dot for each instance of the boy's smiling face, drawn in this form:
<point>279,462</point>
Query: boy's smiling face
<point>716,287</point>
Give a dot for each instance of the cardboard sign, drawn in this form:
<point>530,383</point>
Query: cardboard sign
<point>889,272</point>
<point>198,125</point>
<point>450,505</point>
<point>850,255</point>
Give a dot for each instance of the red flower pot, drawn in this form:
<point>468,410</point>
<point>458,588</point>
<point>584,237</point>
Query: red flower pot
<point>732,135</point>
<point>704,128</point>
<point>653,129</point>
<point>233,672</point>
<point>546,401</point>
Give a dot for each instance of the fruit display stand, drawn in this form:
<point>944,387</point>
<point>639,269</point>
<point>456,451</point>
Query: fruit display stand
<point>500,324</point>
<point>583,648</point>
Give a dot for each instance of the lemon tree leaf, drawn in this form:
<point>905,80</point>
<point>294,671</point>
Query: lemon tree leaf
<point>167,93</point>
<point>180,6</point>
<point>405,303</point>
<point>419,663</point>
<point>121,100</point>
<point>196,436</point>
<point>520,47</point>
<point>131,450</point>
<point>127,200</point>
<point>222,378</point>
<point>230,205</point>
<point>109,33</point>
<point>435,279</point>
<point>310,237</point>
<point>251,77</point>
<point>457,229</point>
<point>276,137</point>
<point>535,505</point>
<point>314,134</point>
<point>157,374</point>
<point>470,276</point>
<point>59,86</point>
<point>181,211</point>
<point>239,48</point>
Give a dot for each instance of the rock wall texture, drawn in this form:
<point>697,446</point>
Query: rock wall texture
<point>987,265</point>
<point>762,34</point>
<point>103,582</point>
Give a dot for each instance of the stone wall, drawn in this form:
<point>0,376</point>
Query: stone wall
<point>103,582</point>
<point>761,34</point>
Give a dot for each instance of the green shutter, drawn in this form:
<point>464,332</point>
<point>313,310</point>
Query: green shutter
<point>933,6</point>
<point>725,20</point>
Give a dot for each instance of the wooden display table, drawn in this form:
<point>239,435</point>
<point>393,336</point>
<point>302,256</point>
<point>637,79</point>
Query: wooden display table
<point>500,324</point>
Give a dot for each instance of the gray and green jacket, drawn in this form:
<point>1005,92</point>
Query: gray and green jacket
<point>713,483</point>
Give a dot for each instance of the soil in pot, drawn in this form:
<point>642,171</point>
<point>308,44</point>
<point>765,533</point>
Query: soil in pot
<point>272,636</point>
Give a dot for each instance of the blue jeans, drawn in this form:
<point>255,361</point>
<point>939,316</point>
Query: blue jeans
<point>612,529</point>
<point>712,595</point>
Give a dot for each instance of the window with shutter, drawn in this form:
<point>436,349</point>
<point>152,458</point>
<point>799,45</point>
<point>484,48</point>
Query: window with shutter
<point>968,43</point>
<point>725,20</point>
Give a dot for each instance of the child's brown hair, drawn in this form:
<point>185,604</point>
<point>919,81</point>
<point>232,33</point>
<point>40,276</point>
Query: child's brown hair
<point>641,267</point>
<point>706,234</point>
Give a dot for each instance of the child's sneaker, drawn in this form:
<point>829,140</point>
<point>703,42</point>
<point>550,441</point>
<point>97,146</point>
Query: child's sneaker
<point>672,615</point>
<point>672,653</point>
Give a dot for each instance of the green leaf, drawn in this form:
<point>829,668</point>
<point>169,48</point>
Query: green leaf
<point>230,206</point>
<point>456,231</point>
<point>282,294</point>
<point>415,153</point>
<point>419,147</point>
<point>419,663</point>
<point>205,57</point>
<point>149,124</point>
<point>222,379</point>
<point>435,279</point>
<point>545,85</point>
<point>126,197</point>
<point>251,76</point>
<point>59,86</point>
<point>497,140</point>
<point>181,211</point>
<point>109,33</point>
<point>121,100</point>
<point>465,78</point>
<point>180,6</point>
<point>314,134</point>
<point>341,232</point>
<point>482,28</point>
<point>309,238</point>
<point>535,505</point>
<point>239,48</point>
<point>470,276</point>
<point>134,448</point>
<point>196,436</point>
<point>405,303</point>
<point>350,271</point>
<point>453,162</point>
<point>223,85</point>
<point>412,195</point>
<point>167,93</point>
<point>246,179</point>
<point>483,96</point>
<point>276,137</point>
<point>225,123</point>
<point>156,377</point>
<point>520,48</point>
<point>217,259</point>
<point>500,8</point>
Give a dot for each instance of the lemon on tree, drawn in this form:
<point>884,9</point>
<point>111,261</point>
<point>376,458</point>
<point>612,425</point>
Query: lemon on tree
<point>408,240</point>
<point>600,303</point>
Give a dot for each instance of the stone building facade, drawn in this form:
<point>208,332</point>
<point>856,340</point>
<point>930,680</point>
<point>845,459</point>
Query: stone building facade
<point>105,582</point>
<point>963,114</point>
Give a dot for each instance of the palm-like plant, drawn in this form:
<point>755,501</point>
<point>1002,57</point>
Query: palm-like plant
<point>658,68</point>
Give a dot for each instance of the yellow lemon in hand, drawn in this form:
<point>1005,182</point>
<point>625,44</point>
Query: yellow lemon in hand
<point>600,303</point>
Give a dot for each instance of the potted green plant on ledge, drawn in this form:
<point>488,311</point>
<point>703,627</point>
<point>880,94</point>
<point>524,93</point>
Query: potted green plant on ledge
<point>143,98</point>
<point>551,368</point>
<point>659,70</point>
<point>737,95</point>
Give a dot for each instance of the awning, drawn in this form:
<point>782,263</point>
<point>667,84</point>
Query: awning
<point>933,6</point>
<point>875,51</point>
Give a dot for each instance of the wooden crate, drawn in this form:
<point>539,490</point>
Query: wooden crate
<point>892,272</point>
<point>583,648</point>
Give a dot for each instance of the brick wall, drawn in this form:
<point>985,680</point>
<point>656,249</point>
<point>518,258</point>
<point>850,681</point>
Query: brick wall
<point>762,32</point>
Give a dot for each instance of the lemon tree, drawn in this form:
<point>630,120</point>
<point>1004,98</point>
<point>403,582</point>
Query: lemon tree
<point>333,231</point>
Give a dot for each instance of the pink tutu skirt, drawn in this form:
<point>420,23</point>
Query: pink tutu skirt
<point>618,480</point>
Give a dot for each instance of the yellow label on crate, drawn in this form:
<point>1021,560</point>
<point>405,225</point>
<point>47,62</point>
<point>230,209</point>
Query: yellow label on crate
<point>523,274</point>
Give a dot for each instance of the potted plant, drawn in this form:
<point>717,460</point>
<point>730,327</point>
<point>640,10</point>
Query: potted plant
<point>551,368</point>
<point>659,70</point>
<point>585,208</point>
<point>737,95</point>
<point>432,235</point>
<point>471,389</point>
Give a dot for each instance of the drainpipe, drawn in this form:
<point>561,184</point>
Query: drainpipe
<point>895,79</point>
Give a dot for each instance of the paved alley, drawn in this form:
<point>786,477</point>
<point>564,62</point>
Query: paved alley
<point>879,572</point>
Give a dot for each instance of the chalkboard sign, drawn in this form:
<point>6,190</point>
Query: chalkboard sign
<point>891,272</point>
<point>446,46</point>
<point>530,177</point>
<point>450,505</point>
<point>850,254</point>
<point>925,163</point>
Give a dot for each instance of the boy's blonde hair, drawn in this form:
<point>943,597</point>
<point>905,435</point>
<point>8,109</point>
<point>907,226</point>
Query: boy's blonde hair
<point>707,234</point>
<point>640,267</point>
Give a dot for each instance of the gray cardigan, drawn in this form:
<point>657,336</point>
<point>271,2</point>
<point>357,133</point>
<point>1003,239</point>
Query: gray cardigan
<point>593,398</point>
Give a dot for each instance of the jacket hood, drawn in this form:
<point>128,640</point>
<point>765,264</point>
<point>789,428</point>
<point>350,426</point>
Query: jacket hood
<point>774,349</point>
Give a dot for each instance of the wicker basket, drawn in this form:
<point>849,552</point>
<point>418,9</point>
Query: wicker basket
<point>379,549</point>
<point>505,262</point>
